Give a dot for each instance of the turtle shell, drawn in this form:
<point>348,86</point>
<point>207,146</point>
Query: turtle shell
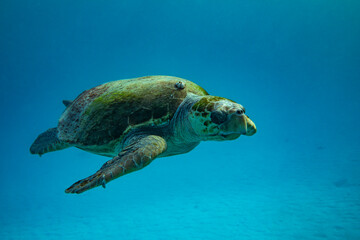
<point>108,112</point>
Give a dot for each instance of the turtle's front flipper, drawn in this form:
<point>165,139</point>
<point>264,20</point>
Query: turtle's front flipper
<point>134,157</point>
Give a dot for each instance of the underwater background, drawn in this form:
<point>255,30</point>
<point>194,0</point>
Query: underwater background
<point>294,66</point>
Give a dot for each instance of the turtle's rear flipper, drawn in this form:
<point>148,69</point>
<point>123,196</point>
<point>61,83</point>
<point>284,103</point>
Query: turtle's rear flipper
<point>67,102</point>
<point>134,157</point>
<point>47,142</point>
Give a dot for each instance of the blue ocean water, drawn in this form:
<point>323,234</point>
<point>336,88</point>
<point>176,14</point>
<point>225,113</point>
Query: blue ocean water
<point>294,65</point>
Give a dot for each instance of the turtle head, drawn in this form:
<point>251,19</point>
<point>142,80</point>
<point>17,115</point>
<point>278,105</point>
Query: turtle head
<point>216,118</point>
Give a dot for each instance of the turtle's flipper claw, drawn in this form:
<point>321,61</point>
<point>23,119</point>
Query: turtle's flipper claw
<point>103,181</point>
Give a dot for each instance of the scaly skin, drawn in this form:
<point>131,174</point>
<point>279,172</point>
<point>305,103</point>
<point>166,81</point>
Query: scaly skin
<point>216,118</point>
<point>134,157</point>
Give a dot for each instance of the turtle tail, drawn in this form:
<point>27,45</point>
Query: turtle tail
<point>47,141</point>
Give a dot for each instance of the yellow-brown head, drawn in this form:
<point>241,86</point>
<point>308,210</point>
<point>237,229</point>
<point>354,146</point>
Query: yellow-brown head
<point>217,118</point>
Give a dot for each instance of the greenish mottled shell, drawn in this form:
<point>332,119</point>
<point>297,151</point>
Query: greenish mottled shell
<point>108,112</point>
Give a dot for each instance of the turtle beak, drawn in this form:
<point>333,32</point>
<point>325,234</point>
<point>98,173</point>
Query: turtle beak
<point>243,124</point>
<point>240,124</point>
<point>249,126</point>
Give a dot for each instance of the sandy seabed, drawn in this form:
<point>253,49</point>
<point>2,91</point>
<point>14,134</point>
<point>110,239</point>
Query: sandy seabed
<point>260,210</point>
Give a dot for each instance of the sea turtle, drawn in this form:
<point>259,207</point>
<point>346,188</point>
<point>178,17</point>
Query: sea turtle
<point>136,120</point>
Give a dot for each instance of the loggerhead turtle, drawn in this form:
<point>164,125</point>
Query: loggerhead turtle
<point>136,120</point>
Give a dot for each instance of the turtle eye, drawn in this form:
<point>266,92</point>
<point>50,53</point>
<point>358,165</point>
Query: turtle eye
<point>240,111</point>
<point>218,117</point>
